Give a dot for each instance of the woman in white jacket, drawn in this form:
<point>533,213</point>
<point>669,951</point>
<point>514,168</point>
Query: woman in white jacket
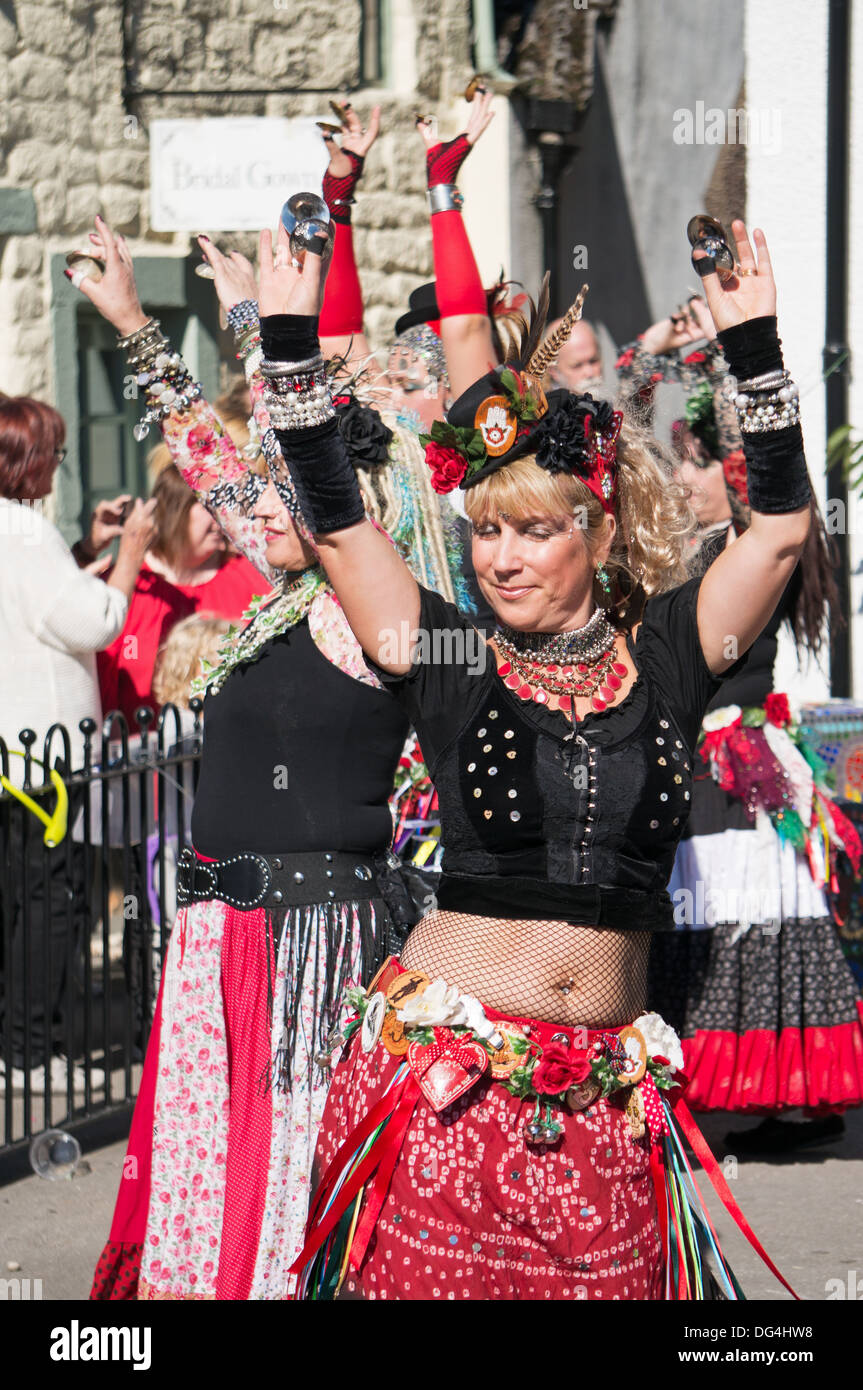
<point>54,617</point>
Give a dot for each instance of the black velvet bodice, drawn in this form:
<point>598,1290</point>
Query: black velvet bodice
<point>541,818</point>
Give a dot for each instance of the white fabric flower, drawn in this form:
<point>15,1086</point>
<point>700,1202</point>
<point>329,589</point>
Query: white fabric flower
<point>720,718</point>
<point>439,1003</point>
<point>661,1039</point>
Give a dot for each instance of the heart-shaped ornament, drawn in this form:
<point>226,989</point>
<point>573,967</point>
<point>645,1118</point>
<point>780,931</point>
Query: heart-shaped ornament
<point>445,1079</point>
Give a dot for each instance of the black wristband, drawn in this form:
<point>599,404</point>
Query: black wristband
<point>324,480</point>
<point>777,478</point>
<point>752,348</point>
<point>289,337</point>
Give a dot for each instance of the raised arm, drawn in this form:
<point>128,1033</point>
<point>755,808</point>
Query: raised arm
<point>200,446</point>
<point>379,596</point>
<point>465,325</point>
<point>341,325</point>
<point>740,591</point>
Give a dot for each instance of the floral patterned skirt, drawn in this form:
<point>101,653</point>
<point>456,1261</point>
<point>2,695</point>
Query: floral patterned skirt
<point>215,1186</point>
<point>473,1211</point>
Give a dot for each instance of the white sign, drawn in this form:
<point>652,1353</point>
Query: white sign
<point>231,175</point>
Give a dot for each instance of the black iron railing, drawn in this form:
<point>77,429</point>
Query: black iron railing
<point>85,921</point>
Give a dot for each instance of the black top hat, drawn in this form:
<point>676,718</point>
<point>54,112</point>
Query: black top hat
<point>423,308</point>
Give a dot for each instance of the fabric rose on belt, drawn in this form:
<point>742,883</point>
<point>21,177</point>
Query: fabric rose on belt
<point>661,1039</point>
<point>439,1003</point>
<point>559,1069</point>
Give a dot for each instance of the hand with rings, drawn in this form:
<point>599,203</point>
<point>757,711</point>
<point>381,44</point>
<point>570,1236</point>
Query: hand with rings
<point>751,291</point>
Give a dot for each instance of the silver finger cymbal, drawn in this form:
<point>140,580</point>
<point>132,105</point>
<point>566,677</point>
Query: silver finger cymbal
<point>85,266</point>
<point>707,235</point>
<point>306,219</point>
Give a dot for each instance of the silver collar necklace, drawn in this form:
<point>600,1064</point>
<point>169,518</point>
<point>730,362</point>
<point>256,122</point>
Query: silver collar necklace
<point>585,644</point>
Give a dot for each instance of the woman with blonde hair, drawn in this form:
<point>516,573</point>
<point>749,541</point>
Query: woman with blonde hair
<point>516,1147</point>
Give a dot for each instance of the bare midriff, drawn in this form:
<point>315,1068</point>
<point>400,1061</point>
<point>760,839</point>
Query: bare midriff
<point>536,969</point>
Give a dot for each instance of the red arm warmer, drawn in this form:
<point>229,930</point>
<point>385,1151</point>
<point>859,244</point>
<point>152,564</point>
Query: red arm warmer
<point>459,287</point>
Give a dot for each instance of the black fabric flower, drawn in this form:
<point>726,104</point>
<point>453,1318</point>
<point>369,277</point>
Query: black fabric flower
<point>565,430</point>
<point>366,437</point>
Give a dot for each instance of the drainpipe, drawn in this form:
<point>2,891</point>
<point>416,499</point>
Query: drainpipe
<point>836,353</point>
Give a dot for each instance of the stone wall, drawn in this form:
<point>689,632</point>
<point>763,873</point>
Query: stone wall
<point>66,132</point>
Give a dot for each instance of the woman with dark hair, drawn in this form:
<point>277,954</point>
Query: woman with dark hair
<point>290,893</point>
<point>54,618</point>
<point>511,1148</point>
<point>187,570</point>
<point>755,978</point>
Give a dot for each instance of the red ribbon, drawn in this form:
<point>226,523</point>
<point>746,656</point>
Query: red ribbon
<point>700,1147</point>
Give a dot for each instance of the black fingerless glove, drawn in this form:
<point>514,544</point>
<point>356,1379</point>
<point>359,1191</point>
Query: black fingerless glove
<point>321,472</point>
<point>777,477</point>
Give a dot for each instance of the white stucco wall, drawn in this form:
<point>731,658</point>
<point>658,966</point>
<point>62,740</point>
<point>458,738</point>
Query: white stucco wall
<point>786,70</point>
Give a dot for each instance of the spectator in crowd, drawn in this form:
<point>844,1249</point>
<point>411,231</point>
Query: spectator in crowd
<point>189,642</point>
<point>188,569</point>
<point>580,359</point>
<point>54,617</point>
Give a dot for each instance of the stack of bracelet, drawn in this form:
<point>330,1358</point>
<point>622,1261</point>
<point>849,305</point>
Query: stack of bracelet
<point>244,323</point>
<point>163,374</point>
<point>767,402</point>
<point>297,394</point>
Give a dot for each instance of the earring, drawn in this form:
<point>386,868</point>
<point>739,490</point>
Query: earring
<point>604,581</point>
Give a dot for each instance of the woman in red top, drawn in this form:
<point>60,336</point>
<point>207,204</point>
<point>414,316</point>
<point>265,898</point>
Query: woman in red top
<point>189,569</point>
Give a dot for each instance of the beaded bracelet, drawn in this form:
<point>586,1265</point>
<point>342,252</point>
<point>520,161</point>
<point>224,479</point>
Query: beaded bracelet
<point>767,402</point>
<point>163,375</point>
<point>243,316</point>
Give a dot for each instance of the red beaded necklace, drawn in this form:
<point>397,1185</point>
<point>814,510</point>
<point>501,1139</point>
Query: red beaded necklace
<point>537,680</point>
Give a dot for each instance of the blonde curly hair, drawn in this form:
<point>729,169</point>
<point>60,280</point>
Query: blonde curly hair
<point>655,523</point>
<point>190,641</point>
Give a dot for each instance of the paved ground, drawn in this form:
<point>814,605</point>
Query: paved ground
<point>808,1212</point>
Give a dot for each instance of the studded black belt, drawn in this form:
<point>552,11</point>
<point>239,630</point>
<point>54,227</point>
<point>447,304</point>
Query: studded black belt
<point>251,880</point>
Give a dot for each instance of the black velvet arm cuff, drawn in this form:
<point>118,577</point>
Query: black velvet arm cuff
<point>776,473</point>
<point>752,348</point>
<point>321,472</point>
<point>289,337</point>
<point>324,480</point>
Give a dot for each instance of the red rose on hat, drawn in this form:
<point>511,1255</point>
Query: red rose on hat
<point>559,1069</point>
<point>777,709</point>
<point>447,466</point>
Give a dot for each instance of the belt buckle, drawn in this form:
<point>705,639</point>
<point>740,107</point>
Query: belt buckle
<point>185,876</point>
<point>261,862</point>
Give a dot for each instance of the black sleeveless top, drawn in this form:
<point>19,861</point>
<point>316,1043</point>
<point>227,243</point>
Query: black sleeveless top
<point>543,819</point>
<point>297,756</point>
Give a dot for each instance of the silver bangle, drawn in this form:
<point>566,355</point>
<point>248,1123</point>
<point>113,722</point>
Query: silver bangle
<point>277,369</point>
<point>765,381</point>
<point>445,197</point>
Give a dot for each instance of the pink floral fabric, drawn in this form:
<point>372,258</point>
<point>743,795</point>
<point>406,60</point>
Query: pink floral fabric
<point>231,1160</point>
<point>190,1138</point>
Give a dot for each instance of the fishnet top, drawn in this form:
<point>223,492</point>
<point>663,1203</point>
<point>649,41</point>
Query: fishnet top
<point>545,970</point>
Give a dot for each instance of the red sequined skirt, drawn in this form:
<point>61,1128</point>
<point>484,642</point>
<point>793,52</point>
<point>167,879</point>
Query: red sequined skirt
<point>473,1211</point>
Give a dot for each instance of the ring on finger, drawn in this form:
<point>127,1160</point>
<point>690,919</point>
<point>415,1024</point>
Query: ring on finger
<point>745,270</point>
